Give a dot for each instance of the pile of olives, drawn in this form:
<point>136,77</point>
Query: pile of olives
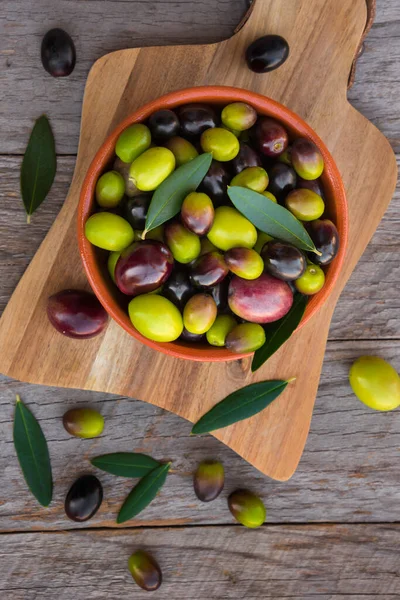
<point>209,275</point>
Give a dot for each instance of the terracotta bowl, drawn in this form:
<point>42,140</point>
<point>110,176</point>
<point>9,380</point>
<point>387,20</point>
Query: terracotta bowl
<point>94,260</point>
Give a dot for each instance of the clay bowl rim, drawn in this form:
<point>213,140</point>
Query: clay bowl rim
<point>333,186</point>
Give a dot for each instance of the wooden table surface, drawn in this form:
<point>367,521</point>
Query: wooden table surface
<point>333,530</point>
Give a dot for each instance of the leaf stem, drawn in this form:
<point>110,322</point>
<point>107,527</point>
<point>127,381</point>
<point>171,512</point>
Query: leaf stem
<point>28,219</point>
<point>17,398</point>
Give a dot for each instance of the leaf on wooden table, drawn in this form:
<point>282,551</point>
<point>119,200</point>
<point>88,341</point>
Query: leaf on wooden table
<point>33,454</point>
<point>125,464</point>
<point>278,332</point>
<point>38,166</point>
<point>169,196</point>
<point>143,493</point>
<point>271,218</point>
<point>240,405</point>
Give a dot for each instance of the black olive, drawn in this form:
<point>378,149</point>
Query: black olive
<point>267,53</point>
<point>163,124</point>
<point>84,498</point>
<point>58,53</point>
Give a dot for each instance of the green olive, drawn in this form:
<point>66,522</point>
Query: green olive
<point>206,246</point>
<point>83,422</point>
<point>112,262</point>
<point>235,132</point>
<point>312,280</point>
<point>145,570</point>
<point>222,325</point>
<point>239,116</point>
<point>230,228</point>
<point>247,508</point>
<point>132,142</point>
<point>155,317</point>
<point>244,262</point>
<point>108,231</point>
<point>262,239</point>
<point>110,189</point>
<point>375,382</point>
<point>150,169</point>
<point>184,244</point>
<point>199,313</point>
<point>208,480</point>
<point>305,204</point>
<point>156,234</point>
<point>222,144</point>
<point>182,149</point>
<point>246,337</point>
<point>270,196</point>
<point>253,178</point>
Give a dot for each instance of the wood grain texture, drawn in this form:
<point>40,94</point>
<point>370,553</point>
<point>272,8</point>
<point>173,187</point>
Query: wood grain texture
<point>273,441</point>
<point>301,563</point>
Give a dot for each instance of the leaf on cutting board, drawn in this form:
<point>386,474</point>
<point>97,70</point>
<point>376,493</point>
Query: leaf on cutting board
<point>125,464</point>
<point>38,166</point>
<point>169,196</point>
<point>271,218</point>
<point>33,454</point>
<point>240,405</point>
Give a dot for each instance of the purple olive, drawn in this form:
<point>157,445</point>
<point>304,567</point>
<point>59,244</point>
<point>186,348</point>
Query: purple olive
<point>315,185</point>
<point>220,294</point>
<point>215,183</point>
<point>282,180</point>
<point>209,269</point>
<point>76,314</point>
<point>326,239</point>
<point>283,261</point>
<point>192,338</point>
<point>196,118</point>
<point>178,287</point>
<point>261,300</point>
<point>145,570</point>
<point>272,137</point>
<point>84,498</point>
<point>58,53</point>
<point>247,157</point>
<point>267,53</point>
<point>143,267</point>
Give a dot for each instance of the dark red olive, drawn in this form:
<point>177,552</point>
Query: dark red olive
<point>135,210</point>
<point>272,137</point>
<point>84,498</point>
<point>326,239</point>
<point>143,267</point>
<point>192,338</point>
<point>219,293</point>
<point>282,180</point>
<point>283,260</point>
<point>215,183</point>
<point>58,53</point>
<point>76,314</point>
<point>262,300</point>
<point>209,269</point>
<point>247,157</point>
<point>267,53</point>
<point>196,118</point>
<point>315,185</point>
<point>178,287</point>
<point>163,124</point>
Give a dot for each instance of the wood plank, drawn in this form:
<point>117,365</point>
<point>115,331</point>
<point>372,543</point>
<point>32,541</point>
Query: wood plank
<point>333,562</point>
<point>368,307</point>
<point>349,472</point>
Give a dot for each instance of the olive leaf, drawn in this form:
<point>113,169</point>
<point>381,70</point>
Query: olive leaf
<point>143,493</point>
<point>168,197</point>
<point>278,332</point>
<point>240,405</point>
<point>125,464</point>
<point>38,166</point>
<point>33,454</point>
<point>271,218</point>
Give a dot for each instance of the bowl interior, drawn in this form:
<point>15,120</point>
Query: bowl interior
<point>95,260</point>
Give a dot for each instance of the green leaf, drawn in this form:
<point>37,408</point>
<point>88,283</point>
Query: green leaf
<point>33,454</point>
<point>242,404</point>
<point>168,197</point>
<point>271,218</point>
<point>278,332</point>
<point>143,493</point>
<point>125,464</point>
<point>38,166</point>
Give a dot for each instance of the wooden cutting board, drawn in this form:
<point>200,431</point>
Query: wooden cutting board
<point>323,37</point>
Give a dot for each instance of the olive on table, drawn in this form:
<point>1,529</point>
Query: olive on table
<point>155,317</point>
<point>208,270</point>
<point>326,240</point>
<point>192,338</point>
<point>238,116</point>
<point>182,149</point>
<point>262,300</point>
<point>178,287</point>
<point>83,422</point>
<point>143,267</point>
<point>253,178</point>
<point>110,189</point>
<point>84,498</point>
<point>111,263</point>
<point>199,313</point>
<point>222,144</point>
<point>312,281</point>
<point>222,325</point>
<point>150,169</point>
<point>246,157</point>
<point>184,244</point>
<point>262,239</point>
<point>208,480</point>
<point>132,142</point>
<point>230,228</point>
<point>145,571</point>
<point>58,53</point>
<point>196,118</point>
<point>283,260</point>
<point>305,205</point>
<point>215,183</point>
<point>76,314</point>
<point>267,53</point>
<point>282,180</point>
<point>108,231</point>
<point>135,209</point>
<point>307,160</point>
<point>163,124</point>
<point>244,262</point>
<point>247,508</point>
<point>246,337</point>
<point>375,382</point>
<point>220,294</point>
<point>315,185</point>
<point>197,213</point>
<point>272,138</point>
